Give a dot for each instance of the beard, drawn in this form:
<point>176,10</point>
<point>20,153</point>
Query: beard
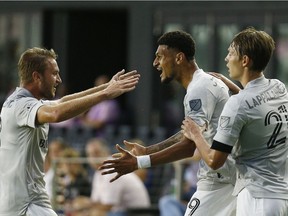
<point>167,80</point>
<point>47,93</point>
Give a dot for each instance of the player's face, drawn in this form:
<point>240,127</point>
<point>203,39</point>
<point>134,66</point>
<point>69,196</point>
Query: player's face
<point>234,63</point>
<point>165,63</point>
<point>50,80</point>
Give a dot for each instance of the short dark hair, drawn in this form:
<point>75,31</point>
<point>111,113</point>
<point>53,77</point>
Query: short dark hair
<point>181,41</point>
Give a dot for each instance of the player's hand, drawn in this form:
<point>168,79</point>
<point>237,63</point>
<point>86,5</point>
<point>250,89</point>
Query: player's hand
<point>232,86</point>
<point>134,148</point>
<point>122,75</point>
<point>121,84</point>
<point>217,75</point>
<point>116,77</point>
<point>127,163</point>
<point>190,129</point>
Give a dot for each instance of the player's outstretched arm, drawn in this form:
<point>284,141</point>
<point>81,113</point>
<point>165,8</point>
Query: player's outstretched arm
<point>128,163</point>
<point>165,143</point>
<point>137,149</point>
<point>121,75</point>
<point>62,111</point>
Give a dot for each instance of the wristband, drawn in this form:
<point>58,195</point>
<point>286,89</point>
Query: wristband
<point>143,161</point>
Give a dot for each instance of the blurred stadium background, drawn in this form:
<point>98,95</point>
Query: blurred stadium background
<point>97,37</point>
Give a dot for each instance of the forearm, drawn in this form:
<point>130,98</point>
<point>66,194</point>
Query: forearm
<point>204,149</point>
<point>66,110</point>
<point>233,87</point>
<point>77,106</point>
<point>180,150</point>
<point>165,143</point>
<point>83,93</point>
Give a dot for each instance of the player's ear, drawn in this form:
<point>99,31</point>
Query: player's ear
<point>179,57</point>
<point>246,61</point>
<point>35,76</point>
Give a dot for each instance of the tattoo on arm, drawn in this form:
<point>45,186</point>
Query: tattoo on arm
<point>165,143</point>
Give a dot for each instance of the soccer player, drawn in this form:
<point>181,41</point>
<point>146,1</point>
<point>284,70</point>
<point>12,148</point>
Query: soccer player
<point>24,128</point>
<point>255,123</point>
<point>204,101</point>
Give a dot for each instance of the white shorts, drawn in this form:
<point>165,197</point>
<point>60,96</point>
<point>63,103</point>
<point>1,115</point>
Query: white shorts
<point>36,210</point>
<point>212,203</point>
<point>248,205</point>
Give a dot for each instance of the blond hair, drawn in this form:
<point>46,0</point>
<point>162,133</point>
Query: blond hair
<point>33,59</point>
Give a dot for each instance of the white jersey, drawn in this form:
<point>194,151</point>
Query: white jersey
<point>255,121</point>
<point>203,102</point>
<point>22,152</point>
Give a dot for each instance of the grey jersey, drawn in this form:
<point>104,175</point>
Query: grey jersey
<point>203,102</point>
<point>255,121</point>
<point>22,152</point>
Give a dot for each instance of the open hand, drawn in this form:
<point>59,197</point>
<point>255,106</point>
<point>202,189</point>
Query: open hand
<point>122,75</point>
<point>134,148</point>
<point>116,88</point>
<point>127,163</point>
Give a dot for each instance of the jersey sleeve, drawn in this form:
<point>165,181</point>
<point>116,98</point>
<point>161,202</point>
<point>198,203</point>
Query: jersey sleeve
<point>26,111</point>
<point>221,147</point>
<point>200,105</point>
<point>231,122</point>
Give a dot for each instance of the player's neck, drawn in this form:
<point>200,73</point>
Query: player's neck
<point>249,76</point>
<point>33,89</point>
<point>187,73</point>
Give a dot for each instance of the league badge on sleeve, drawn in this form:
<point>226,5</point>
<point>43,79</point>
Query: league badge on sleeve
<point>195,104</point>
<point>224,121</point>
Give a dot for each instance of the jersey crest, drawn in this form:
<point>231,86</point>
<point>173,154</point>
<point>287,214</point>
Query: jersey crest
<point>224,121</point>
<point>195,104</point>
